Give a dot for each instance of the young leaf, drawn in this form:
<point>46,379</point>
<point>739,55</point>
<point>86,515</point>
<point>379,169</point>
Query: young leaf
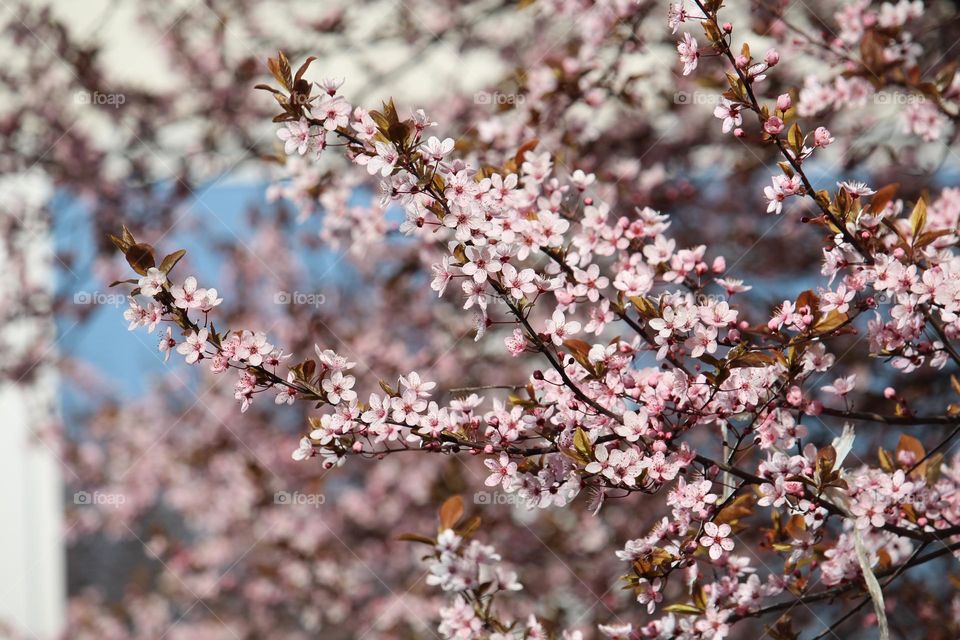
<point>882,198</point>
<point>303,69</point>
<point>169,262</point>
<point>451,512</point>
<point>918,218</point>
<point>682,608</point>
<point>415,537</point>
<point>795,137</point>
<point>141,258</point>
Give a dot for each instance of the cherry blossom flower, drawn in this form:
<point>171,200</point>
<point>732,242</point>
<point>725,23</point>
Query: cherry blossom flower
<point>135,315</point>
<point>591,283</point>
<point>634,425</point>
<point>382,162</point>
<point>253,347</point>
<point>688,53</point>
<point>339,387</point>
<point>287,394</point>
<point>924,120</point>
<point>412,382</point>
<point>842,386</point>
<point>781,188</point>
<point>194,346</point>
<point>304,451</point>
<point>481,263</point>
<point>443,273</point>
<point>839,299</point>
<point>363,125</point>
<point>296,136</point>
<point>822,137</point>
<point>676,15</point>
<point>559,329</point>
<point>582,180</point>
<point>407,408</point>
<point>716,539</point>
<point>519,283</point>
<point>188,296</point>
<point>515,342</point>
<point>210,300</point>
<point>436,150</point>
<point>704,340</point>
<point>729,112</point>
<point>152,283</point>
<point>167,343</point>
<point>502,471</point>
<point>856,189</point>
<point>335,112</point>
<point>773,125</point>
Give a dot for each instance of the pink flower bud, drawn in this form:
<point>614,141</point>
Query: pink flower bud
<point>784,102</point>
<point>822,137</point>
<point>719,264</point>
<point>594,97</point>
<point>738,133</point>
<point>772,57</point>
<point>795,396</point>
<point>889,393</point>
<point>773,125</point>
<point>743,61</point>
<point>727,27</point>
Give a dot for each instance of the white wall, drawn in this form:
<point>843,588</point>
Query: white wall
<point>32,558</point>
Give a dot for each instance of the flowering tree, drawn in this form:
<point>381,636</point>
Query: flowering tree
<point>750,461</point>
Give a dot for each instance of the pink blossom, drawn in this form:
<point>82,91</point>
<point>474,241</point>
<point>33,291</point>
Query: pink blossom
<point>688,53</point>
<point>194,346</point>
<point>716,539</point>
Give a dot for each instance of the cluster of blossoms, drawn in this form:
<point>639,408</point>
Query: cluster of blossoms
<point>644,355</point>
<point>886,30</point>
<point>247,351</point>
